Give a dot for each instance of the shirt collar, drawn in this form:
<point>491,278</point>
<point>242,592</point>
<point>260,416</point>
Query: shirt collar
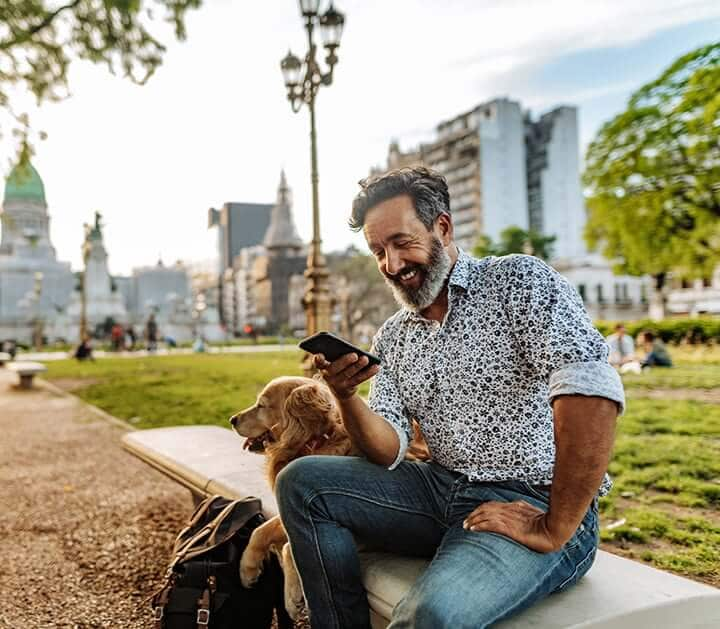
<point>460,275</point>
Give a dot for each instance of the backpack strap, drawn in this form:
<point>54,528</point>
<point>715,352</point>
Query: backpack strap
<point>203,611</point>
<point>160,600</point>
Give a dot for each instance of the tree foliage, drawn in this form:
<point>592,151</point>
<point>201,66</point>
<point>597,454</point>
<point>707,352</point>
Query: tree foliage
<point>516,240</point>
<point>40,38</point>
<point>653,174</point>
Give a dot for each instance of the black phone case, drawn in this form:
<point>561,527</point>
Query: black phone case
<point>333,347</point>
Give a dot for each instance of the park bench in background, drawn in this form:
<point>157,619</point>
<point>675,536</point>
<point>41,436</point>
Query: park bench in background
<point>4,358</point>
<point>26,371</point>
<point>617,593</point>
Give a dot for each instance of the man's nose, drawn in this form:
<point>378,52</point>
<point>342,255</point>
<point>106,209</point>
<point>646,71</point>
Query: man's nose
<point>393,263</point>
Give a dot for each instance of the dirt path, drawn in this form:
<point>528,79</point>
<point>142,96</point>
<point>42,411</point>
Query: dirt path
<point>85,528</point>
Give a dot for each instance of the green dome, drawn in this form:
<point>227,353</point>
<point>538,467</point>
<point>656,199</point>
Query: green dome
<point>24,184</point>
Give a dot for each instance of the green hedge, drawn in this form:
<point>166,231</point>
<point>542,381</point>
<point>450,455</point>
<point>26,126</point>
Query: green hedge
<point>670,330</point>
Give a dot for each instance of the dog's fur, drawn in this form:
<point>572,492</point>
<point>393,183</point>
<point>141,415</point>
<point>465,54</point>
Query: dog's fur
<point>291,418</point>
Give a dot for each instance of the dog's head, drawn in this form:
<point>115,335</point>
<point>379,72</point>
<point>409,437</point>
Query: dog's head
<point>288,410</point>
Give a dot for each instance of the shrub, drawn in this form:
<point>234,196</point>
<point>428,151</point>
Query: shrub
<point>670,330</point>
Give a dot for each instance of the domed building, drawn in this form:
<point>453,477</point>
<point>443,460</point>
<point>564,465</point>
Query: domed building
<point>34,286</point>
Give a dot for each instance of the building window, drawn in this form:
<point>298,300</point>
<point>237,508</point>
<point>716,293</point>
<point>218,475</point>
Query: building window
<point>707,282</point>
<point>599,292</point>
<point>581,290</point>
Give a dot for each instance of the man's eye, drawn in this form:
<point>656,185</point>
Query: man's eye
<point>379,253</point>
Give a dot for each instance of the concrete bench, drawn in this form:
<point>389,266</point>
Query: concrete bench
<point>617,593</point>
<point>26,370</point>
<point>4,358</point>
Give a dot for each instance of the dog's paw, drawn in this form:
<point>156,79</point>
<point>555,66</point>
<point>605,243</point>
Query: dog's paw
<point>251,568</point>
<point>294,597</point>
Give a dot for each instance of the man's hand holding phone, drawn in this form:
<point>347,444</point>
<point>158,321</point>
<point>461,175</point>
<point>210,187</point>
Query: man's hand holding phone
<point>343,365</point>
<point>345,374</point>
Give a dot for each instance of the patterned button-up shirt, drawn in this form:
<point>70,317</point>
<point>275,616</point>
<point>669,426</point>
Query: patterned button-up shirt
<point>481,383</point>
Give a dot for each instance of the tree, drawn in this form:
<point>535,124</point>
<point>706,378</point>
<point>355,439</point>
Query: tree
<point>653,176</point>
<point>516,240</point>
<point>39,38</point>
<point>363,295</point>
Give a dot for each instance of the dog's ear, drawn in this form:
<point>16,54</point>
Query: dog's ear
<point>310,406</point>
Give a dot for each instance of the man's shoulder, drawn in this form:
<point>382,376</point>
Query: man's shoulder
<point>501,269</point>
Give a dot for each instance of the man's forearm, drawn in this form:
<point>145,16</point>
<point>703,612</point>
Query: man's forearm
<point>370,433</point>
<point>584,435</point>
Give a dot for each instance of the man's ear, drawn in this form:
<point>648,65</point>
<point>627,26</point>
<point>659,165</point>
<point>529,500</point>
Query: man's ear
<point>444,229</point>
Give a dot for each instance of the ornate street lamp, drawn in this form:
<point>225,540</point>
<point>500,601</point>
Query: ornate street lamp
<point>303,80</point>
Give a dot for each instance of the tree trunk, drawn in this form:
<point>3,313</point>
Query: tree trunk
<point>658,299</point>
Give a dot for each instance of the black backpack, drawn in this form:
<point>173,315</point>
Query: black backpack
<point>202,588</point>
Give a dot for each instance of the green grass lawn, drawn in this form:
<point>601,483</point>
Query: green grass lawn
<point>664,508</point>
<point>158,391</point>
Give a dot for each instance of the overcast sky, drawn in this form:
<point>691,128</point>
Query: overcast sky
<point>213,125</point>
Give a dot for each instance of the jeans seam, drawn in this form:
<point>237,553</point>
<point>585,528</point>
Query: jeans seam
<point>451,498</point>
<point>311,497</point>
<point>328,589</point>
<point>578,565</point>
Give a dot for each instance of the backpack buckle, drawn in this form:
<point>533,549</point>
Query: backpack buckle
<point>158,612</point>
<point>203,617</point>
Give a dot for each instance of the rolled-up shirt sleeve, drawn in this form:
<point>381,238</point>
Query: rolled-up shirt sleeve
<point>555,334</point>
<point>385,400</point>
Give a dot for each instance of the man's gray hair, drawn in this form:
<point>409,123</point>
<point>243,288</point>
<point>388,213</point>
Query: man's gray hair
<point>427,189</point>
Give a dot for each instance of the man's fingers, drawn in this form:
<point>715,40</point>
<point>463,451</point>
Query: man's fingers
<point>320,362</point>
<point>365,374</point>
<point>341,364</point>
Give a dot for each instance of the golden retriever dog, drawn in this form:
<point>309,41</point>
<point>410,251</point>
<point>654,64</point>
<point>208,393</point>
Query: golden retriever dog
<point>293,417</point>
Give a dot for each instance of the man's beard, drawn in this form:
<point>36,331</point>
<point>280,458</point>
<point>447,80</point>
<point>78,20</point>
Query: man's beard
<point>434,272</point>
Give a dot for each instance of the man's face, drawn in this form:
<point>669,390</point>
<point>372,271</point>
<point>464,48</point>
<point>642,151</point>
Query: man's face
<point>412,259</point>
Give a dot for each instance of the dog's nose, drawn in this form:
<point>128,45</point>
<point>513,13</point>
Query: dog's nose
<point>233,419</point>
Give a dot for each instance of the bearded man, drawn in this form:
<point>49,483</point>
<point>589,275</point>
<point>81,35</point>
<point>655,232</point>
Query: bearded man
<point>500,365</point>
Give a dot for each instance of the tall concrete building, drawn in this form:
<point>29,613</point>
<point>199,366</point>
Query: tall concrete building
<point>482,155</point>
<point>555,201</point>
<point>239,225</point>
<point>257,285</point>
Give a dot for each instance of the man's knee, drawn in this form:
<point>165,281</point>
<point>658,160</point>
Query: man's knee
<point>298,480</point>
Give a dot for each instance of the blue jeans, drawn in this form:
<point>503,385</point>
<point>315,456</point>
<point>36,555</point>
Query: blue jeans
<point>417,509</point>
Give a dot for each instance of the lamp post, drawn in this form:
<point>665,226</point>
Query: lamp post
<point>303,80</point>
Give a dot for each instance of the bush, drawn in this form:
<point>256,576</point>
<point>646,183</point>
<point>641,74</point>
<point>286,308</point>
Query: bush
<point>670,330</point>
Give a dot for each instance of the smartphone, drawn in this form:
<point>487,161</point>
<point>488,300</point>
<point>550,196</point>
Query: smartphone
<point>332,347</point>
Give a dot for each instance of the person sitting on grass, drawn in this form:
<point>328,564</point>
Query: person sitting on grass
<point>656,354</point>
<point>84,349</point>
<point>622,347</point>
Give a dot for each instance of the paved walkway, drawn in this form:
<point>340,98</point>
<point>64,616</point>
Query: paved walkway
<point>85,529</point>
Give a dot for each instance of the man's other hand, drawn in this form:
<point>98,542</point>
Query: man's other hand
<point>517,520</point>
<point>345,374</point>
